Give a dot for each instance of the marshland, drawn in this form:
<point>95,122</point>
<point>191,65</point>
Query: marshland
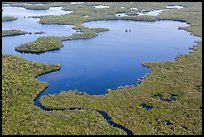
<point>83,55</point>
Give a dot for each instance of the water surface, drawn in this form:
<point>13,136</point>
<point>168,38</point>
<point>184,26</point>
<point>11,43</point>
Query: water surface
<point>100,6</point>
<point>22,12</point>
<point>121,14</point>
<point>112,59</point>
<point>151,13</point>
<point>77,3</point>
<point>174,7</point>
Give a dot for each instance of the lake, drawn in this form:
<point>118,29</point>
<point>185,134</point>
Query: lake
<point>114,58</point>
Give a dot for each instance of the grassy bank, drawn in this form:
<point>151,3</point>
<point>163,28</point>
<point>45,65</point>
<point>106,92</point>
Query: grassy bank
<point>8,18</point>
<point>20,116</point>
<point>13,33</point>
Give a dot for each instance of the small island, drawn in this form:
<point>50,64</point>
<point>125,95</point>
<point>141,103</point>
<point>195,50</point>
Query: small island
<point>13,32</point>
<point>40,32</point>
<point>8,18</point>
<point>38,46</point>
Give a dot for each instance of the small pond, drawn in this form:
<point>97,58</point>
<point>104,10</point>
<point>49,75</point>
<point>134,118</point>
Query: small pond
<point>133,8</point>
<point>100,6</point>
<point>121,14</point>
<point>74,3</point>
<point>151,13</point>
<point>172,98</point>
<point>34,4</point>
<point>174,7</point>
<point>158,12</point>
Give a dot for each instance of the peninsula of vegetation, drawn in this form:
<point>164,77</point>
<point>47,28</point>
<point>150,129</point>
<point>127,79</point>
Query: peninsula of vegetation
<point>8,18</point>
<point>13,32</point>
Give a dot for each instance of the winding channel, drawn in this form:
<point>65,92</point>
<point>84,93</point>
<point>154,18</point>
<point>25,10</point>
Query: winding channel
<point>102,113</point>
<point>110,60</point>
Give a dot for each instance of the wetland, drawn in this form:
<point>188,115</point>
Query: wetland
<point>91,68</point>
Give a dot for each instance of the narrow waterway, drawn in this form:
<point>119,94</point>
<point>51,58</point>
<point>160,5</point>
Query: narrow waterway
<point>102,113</point>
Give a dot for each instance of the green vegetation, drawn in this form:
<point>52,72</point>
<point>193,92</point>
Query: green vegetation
<point>13,32</point>
<point>76,18</point>
<point>123,106</point>
<point>8,18</point>
<point>39,46</point>
<point>180,78</point>
<point>20,116</point>
<point>44,44</point>
<point>36,7</point>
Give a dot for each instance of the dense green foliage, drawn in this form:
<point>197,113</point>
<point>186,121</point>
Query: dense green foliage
<point>20,116</point>
<point>13,32</point>
<point>8,18</point>
<point>44,44</point>
<point>181,78</point>
<point>38,46</point>
<point>178,78</point>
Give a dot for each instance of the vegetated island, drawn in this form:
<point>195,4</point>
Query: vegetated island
<point>13,32</point>
<point>49,43</point>
<point>8,18</point>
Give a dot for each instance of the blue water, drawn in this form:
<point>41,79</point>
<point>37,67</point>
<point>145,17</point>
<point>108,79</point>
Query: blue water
<point>113,58</point>
<point>172,98</point>
<point>146,106</point>
<point>22,12</point>
<point>110,122</point>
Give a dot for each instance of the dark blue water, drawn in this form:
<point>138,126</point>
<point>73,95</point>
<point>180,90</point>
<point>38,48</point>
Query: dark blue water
<point>146,106</point>
<point>168,123</point>
<point>111,59</point>
<point>108,119</point>
<point>172,98</point>
<point>102,113</point>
